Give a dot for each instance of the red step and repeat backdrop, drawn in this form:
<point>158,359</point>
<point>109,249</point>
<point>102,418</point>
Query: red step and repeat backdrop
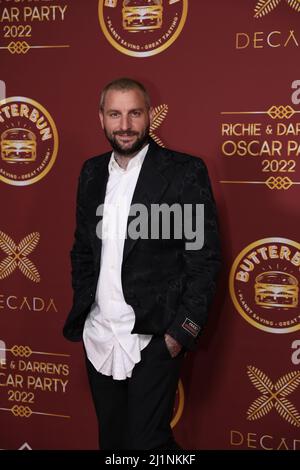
<point>224,77</point>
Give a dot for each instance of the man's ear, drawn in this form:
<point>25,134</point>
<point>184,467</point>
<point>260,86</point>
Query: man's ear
<point>101,119</point>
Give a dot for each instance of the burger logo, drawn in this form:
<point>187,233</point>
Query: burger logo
<point>18,145</point>
<point>28,141</point>
<point>156,24</point>
<point>141,16</point>
<point>276,289</point>
<point>264,285</point>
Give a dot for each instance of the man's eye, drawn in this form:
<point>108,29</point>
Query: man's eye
<point>113,115</point>
<point>136,113</point>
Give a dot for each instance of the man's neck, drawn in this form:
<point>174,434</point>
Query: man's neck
<point>123,160</point>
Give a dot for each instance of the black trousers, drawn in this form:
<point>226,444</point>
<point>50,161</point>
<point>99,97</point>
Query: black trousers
<point>135,413</point>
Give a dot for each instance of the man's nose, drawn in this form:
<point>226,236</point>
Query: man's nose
<point>125,123</point>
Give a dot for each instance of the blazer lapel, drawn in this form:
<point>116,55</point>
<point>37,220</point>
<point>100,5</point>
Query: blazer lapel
<point>151,185</point>
<point>96,195</point>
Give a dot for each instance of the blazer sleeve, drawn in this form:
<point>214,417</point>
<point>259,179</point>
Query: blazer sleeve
<point>201,265</point>
<point>82,253</point>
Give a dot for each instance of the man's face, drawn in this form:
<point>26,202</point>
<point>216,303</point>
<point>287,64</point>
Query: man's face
<point>126,120</point>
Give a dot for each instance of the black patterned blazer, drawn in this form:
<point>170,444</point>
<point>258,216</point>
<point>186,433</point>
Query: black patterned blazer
<point>169,287</point>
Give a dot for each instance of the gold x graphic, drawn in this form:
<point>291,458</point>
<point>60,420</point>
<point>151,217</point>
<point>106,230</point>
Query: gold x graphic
<point>159,115</point>
<point>273,395</point>
<point>17,256</point>
<point>263,7</point>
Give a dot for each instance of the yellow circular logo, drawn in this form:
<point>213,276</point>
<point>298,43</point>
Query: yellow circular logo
<point>142,28</point>
<point>264,284</point>
<point>179,405</point>
<point>28,141</point>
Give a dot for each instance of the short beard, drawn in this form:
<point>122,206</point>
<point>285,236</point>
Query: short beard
<point>135,148</point>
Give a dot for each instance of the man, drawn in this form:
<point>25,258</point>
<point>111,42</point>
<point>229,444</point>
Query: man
<point>141,301</point>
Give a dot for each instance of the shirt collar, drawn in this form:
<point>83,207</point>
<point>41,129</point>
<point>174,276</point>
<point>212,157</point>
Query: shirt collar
<point>135,161</point>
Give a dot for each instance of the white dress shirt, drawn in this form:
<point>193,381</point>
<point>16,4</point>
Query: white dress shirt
<point>109,344</point>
